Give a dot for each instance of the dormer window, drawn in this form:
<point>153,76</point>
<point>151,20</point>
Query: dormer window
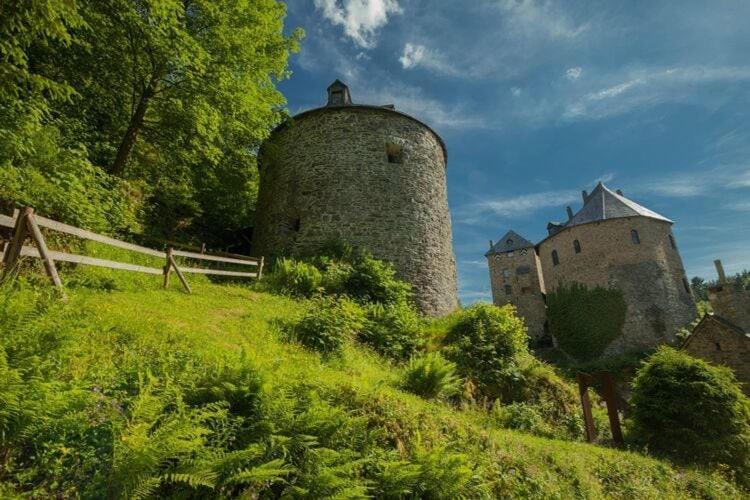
<point>394,152</point>
<point>337,97</point>
<point>509,242</point>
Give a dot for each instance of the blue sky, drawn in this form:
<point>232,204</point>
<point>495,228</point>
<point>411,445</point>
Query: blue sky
<point>538,100</point>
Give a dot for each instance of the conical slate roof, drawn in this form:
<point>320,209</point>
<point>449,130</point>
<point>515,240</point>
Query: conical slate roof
<point>603,204</point>
<point>510,242</point>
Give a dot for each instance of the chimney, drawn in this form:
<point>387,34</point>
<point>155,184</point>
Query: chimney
<point>585,195</point>
<point>491,245</point>
<point>619,191</point>
<point>720,271</point>
<point>730,301</point>
<point>570,212</point>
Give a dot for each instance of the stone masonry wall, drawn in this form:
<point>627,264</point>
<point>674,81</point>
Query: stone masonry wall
<point>731,302</point>
<point>519,270</point>
<point>650,275</point>
<point>327,177</point>
<point>720,345</point>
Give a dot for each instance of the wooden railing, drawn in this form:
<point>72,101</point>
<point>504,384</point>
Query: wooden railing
<point>25,223</point>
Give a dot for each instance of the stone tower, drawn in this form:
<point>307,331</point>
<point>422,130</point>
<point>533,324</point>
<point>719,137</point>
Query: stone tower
<point>515,278</point>
<point>367,175</point>
<point>614,242</point>
<point>730,300</point>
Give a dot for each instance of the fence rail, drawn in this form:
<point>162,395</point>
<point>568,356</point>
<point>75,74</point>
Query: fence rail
<point>26,223</point>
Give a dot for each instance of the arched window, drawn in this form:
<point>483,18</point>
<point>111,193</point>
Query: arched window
<point>555,258</point>
<point>671,242</point>
<point>577,246</point>
<point>634,236</point>
<point>509,242</point>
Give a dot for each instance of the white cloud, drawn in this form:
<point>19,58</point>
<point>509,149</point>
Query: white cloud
<point>514,206</point>
<point>703,182</point>
<point>360,18</point>
<point>415,55</point>
<point>476,263</point>
<point>515,91</point>
<point>649,87</point>
<point>534,17</point>
<point>573,74</point>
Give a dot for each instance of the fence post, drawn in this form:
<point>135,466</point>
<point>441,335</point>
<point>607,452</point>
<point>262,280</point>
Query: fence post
<point>168,267</point>
<point>260,268</point>
<point>610,397</point>
<point>179,273</point>
<point>588,418</point>
<point>16,243</point>
<point>41,245</point>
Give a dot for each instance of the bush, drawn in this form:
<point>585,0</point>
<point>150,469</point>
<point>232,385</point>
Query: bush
<point>522,417</point>
<point>295,278</point>
<point>329,324</point>
<point>585,321</point>
<point>692,411</point>
<point>485,343</point>
<point>374,281</point>
<point>431,376</point>
<point>393,331</point>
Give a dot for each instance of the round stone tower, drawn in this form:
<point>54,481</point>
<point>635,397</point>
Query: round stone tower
<point>366,175</point>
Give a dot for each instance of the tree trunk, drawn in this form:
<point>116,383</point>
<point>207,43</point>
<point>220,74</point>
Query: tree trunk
<point>134,127</point>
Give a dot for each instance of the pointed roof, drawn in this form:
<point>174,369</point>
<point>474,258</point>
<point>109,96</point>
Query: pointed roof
<point>726,325</point>
<point>337,84</point>
<point>604,203</point>
<point>510,242</point>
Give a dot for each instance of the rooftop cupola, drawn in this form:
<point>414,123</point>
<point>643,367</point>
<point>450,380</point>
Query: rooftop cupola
<point>338,94</point>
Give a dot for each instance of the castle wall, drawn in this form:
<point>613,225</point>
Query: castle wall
<point>650,275</point>
<point>519,270</point>
<point>327,177</point>
<point>719,344</point>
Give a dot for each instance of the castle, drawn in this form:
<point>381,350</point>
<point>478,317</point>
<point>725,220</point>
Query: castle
<point>611,242</point>
<point>367,175</point>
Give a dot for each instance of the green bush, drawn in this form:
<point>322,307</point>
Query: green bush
<point>522,417</point>
<point>486,343</point>
<point>392,330</point>
<point>692,411</point>
<point>431,376</point>
<point>585,321</point>
<point>329,324</point>
<point>374,281</point>
<point>295,278</point>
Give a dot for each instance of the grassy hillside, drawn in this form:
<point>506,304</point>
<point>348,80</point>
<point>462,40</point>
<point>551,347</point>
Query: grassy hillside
<point>139,391</point>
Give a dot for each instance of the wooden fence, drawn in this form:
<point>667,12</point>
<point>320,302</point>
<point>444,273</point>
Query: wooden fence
<point>25,223</point>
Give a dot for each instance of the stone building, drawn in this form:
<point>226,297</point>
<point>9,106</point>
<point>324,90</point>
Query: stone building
<point>516,279</point>
<point>367,175</point>
<point>723,338</point>
<point>613,242</point>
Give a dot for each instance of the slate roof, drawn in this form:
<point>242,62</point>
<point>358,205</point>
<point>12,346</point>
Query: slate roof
<point>604,203</point>
<point>510,242</point>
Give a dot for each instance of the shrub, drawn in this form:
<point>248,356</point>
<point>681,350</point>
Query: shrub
<point>522,417</point>
<point>692,411</point>
<point>585,321</point>
<point>392,330</point>
<point>431,376</point>
<point>295,278</point>
<point>329,324</point>
<point>485,343</point>
<point>375,281</point>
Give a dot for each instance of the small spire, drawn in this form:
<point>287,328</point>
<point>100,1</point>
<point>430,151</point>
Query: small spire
<point>570,212</point>
<point>720,271</point>
<point>584,195</point>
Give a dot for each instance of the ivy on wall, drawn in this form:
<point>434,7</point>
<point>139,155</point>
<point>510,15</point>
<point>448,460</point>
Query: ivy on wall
<point>585,321</point>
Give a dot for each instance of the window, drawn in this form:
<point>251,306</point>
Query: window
<point>555,258</point>
<point>508,290</point>
<point>509,242</point>
<point>296,225</point>
<point>577,246</point>
<point>718,346</point>
<point>337,97</point>
<point>671,242</point>
<point>506,274</point>
<point>395,152</point>
<point>634,236</point>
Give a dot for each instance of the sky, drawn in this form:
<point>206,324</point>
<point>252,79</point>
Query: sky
<point>539,100</point>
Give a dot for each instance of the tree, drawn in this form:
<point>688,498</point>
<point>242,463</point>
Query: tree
<point>700,287</point>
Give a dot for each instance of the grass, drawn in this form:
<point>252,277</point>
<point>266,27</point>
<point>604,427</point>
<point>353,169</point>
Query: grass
<point>113,342</point>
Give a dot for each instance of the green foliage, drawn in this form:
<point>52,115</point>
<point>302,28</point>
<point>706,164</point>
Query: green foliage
<point>174,97</point>
<point>295,278</point>
<point>374,281</point>
<point>330,323</point>
<point>692,411</point>
<point>585,321</point>
<point>431,377</point>
<point>485,343</point>
<point>140,391</point>
<point>394,331</point>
